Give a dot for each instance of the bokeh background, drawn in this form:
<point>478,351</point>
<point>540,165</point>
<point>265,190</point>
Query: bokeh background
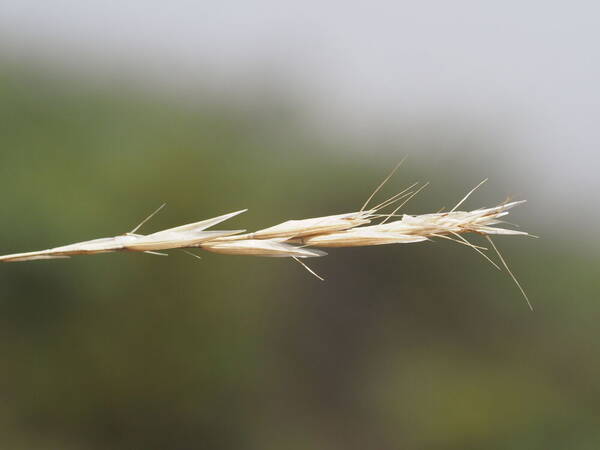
<point>293,110</point>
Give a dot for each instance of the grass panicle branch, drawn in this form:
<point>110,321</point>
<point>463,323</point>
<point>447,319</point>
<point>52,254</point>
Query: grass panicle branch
<point>295,238</point>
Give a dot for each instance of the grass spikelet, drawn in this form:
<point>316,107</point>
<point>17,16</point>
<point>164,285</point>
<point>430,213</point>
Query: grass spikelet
<point>306,227</point>
<point>360,237</point>
<point>178,237</point>
<point>261,247</point>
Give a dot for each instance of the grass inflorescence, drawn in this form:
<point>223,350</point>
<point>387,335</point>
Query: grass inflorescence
<point>296,239</point>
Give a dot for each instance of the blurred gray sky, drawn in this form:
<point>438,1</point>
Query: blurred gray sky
<point>528,70</point>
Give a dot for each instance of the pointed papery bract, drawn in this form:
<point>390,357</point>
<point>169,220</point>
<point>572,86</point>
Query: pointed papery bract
<point>261,247</point>
<point>185,235</point>
<point>170,240</point>
<point>306,227</point>
<point>102,245</point>
<point>503,231</point>
<point>359,237</point>
<point>198,226</point>
<point>31,256</point>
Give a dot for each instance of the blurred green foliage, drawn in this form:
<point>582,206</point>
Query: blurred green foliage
<point>417,346</point>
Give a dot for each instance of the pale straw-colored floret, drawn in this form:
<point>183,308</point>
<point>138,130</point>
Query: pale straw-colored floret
<point>316,225</point>
<point>417,228</point>
<point>292,229</point>
<point>261,247</point>
<point>359,237</point>
<point>305,227</point>
<point>478,221</point>
<point>178,237</point>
